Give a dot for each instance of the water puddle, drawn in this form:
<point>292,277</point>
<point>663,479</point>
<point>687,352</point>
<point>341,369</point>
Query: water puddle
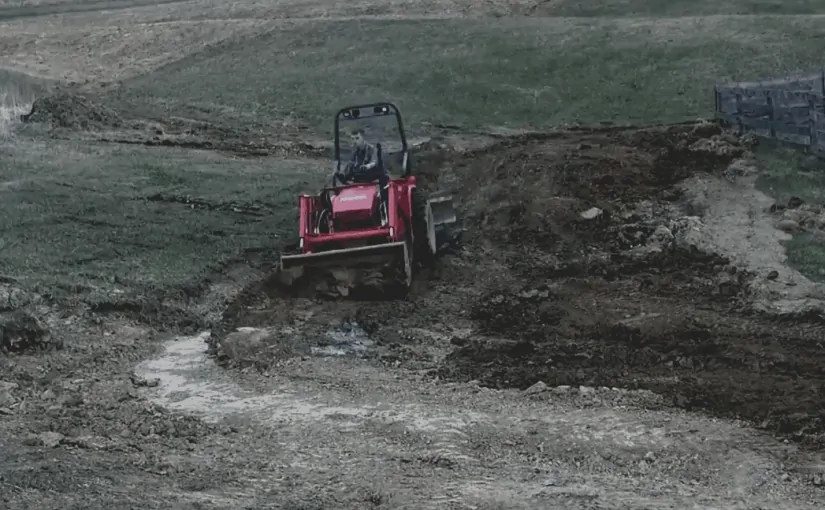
<point>189,381</point>
<point>349,340</point>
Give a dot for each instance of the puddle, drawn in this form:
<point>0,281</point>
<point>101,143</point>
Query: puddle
<point>349,340</point>
<point>189,381</point>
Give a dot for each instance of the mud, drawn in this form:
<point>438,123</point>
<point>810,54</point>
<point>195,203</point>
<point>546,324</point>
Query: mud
<point>580,266</point>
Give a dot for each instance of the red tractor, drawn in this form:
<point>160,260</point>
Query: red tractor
<point>375,225</point>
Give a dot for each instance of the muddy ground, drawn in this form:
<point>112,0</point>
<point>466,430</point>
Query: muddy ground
<point>590,339</point>
<point>576,267</point>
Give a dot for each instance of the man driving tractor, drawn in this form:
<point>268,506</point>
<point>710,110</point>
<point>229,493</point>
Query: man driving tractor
<point>364,167</point>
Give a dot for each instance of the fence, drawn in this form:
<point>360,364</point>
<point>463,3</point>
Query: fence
<point>790,110</point>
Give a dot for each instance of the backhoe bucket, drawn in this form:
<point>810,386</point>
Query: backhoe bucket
<point>443,209</point>
<point>340,271</point>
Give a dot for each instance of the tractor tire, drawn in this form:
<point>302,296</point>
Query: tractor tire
<point>423,228</point>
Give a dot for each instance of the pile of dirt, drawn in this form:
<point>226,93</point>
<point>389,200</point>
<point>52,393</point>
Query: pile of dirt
<point>577,269</point>
<point>611,293</point>
<point>72,111</point>
<point>21,332</point>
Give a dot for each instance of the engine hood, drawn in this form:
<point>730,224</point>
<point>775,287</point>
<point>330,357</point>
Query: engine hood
<point>355,203</point>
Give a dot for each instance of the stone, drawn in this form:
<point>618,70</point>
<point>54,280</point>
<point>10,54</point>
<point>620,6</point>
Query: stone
<point>539,387</point>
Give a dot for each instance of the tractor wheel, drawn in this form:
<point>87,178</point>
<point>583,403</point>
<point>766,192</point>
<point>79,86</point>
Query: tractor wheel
<point>423,227</point>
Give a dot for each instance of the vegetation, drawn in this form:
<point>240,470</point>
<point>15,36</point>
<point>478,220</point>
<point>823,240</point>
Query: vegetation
<point>91,219</point>
<point>481,72</point>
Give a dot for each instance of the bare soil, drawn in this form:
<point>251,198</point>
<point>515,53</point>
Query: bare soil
<point>534,292</point>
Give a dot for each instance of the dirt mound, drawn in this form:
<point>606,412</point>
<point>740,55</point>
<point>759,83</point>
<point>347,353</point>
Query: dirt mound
<point>610,291</point>
<point>71,111</point>
<point>577,269</point>
<point>21,332</point>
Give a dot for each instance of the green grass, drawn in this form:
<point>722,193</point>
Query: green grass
<point>76,217</point>
<point>806,253</point>
<point>789,172</point>
<point>475,73</point>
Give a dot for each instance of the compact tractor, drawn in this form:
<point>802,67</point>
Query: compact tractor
<point>366,232</point>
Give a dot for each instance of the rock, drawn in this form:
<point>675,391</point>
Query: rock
<point>48,395</point>
<point>662,237</point>
<point>795,202</point>
<point>70,400</point>
<point>788,226</point>
<point>8,386</point>
<point>716,145</point>
<point>792,214</point>
<point>739,168</point>
<point>87,442</point>
<point>773,275</point>
<point>749,140</point>
<point>6,399</point>
<point>21,332</point>
<point>6,411</point>
<point>49,439</point>
<point>141,382</point>
<point>592,213</point>
<point>539,387</point>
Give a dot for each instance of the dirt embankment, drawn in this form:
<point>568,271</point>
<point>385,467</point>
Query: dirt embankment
<point>70,114</point>
<point>578,267</point>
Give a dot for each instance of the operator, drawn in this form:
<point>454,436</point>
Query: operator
<point>363,166</point>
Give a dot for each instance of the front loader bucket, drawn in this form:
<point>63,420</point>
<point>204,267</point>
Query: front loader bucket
<point>338,272</point>
<point>443,209</point>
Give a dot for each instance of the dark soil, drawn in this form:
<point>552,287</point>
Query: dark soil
<point>72,111</point>
<point>551,296</point>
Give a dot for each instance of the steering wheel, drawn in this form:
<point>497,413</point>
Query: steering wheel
<point>341,177</point>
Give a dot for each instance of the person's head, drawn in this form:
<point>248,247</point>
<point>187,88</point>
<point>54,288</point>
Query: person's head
<point>356,136</point>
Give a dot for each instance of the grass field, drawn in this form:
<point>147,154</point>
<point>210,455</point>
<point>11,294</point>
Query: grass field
<point>100,221</point>
<point>788,172</point>
<point>476,73</point>
<point>77,214</point>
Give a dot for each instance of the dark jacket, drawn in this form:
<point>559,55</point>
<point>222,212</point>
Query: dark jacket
<point>363,156</point>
